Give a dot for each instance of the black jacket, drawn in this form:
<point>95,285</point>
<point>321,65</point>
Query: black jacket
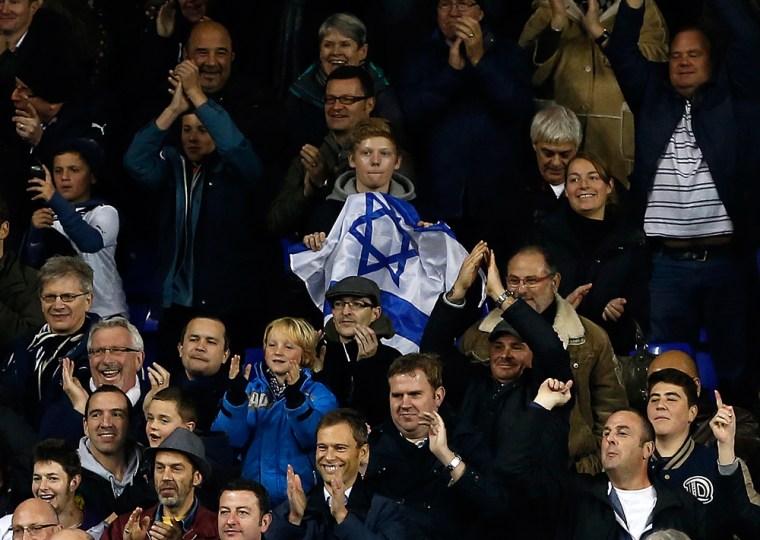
<point>20,311</point>
<point>617,266</point>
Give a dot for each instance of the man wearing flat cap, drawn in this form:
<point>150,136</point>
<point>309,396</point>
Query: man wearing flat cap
<point>180,467</point>
<point>355,362</point>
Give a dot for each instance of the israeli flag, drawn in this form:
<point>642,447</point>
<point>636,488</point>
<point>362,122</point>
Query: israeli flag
<point>376,236</point>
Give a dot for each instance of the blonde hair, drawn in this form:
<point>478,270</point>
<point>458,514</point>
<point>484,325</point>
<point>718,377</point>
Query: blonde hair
<point>300,332</point>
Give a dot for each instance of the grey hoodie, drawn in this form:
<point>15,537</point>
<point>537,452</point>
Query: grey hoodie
<point>91,464</point>
<point>401,187</point>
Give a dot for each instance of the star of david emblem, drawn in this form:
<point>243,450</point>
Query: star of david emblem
<point>371,259</point>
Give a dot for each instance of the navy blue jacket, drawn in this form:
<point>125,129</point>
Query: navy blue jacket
<point>725,111</point>
<point>224,245</point>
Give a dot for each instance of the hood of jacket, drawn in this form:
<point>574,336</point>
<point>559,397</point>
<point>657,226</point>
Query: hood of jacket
<point>566,323</point>
<point>93,465</point>
<point>401,187</point>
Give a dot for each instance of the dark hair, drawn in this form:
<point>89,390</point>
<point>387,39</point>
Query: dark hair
<point>210,318</point>
<point>675,377</point>
<point>344,73</point>
<point>88,150</point>
<point>551,264</point>
<point>600,168</point>
<point>58,451</point>
<point>428,363</point>
<point>241,484</point>
<point>647,429</point>
<point>354,419</point>
<point>186,405</point>
<point>107,389</point>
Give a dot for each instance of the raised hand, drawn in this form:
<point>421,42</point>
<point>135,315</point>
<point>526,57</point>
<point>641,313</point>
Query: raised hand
<point>576,297</point>
<point>367,340</point>
<point>43,218</point>
<point>614,309</point>
<point>28,124</point>
<point>723,426</point>
<point>316,170</point>
<point>337,491</point>
<point>165,19</point>
<point>468,31</point>
<point>296,497</point>
<point>294,372</point>
<point>315,241</point>
<point>41,188</point>
<point>468,272</point>
<point>136,528</point>
<point>72,387</point>
<point>553,393</point>
<point>159,379</point>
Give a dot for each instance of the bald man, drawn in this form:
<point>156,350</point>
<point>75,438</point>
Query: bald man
<point>747,427</point>
<point>71,534</point>
<point>35,515</point>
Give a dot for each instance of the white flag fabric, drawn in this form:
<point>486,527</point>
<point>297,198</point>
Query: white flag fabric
<point>376,236</point>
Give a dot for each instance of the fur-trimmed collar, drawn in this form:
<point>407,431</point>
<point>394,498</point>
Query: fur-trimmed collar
<point>566,323</point>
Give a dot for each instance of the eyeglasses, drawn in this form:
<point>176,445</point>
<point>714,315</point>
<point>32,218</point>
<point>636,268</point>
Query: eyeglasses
<point>33,530</point>
<point>462,6</point>
<point>353,305</point>
<point>345,100</point>
<point>115,351</point>
<point>66,298</point>
<point>530,282</point>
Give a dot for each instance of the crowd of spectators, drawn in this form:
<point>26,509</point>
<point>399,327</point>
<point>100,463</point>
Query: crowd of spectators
<point>164,374</point>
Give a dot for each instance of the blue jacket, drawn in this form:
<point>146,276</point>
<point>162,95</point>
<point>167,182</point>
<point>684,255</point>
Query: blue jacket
<point>222,219</point>
<point>274,436</point>
<point>725,110</point>
<point>468,128</point>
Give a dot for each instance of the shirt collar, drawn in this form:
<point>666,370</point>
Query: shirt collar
<point>133,393</point>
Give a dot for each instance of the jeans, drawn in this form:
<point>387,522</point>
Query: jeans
<point>714,294</point>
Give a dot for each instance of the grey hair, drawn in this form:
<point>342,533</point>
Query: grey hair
<point>118,322</point>
<point>556,124</point>
<point>347,24</point>
<point>669,534</point>
<point>60,266</point>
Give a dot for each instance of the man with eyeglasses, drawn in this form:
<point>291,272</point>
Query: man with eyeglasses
<point>349,98</point>
<point>533,277</point>
<point>467,99</point>
<point>115,352</point>
<point>36,519</point>
<point>33,376</point>
<point>353,361</point>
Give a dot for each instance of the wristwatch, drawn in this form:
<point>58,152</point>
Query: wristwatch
<point>503,296</point>
<point>456,460</point>
<point>604,37</point>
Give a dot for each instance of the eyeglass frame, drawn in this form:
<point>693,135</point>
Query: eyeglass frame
<point>353,305</point>
<point>69,297</point>
<point>345,99</point>
<point>33,530</point>
<point>524,282</point>
<point>116,351</point>
<point>462,6</point>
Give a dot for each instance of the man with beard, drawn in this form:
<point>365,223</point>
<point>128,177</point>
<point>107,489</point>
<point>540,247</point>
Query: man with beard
<point>179,468</point>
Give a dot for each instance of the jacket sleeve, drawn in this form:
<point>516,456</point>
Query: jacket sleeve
<point>87,237</point>
<point>145,160</point>
<point>234,149</point>
<point>22,313</point>
<point>744,517</point>
<point>303,419</point>
<point>550,359</point>
<point>389,525</point>
<point>741,59</point>
<point>235,421</point>
<point>653,38</point>
<point>631,68</point>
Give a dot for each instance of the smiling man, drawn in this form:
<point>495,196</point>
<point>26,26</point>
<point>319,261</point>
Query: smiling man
<point>354,510</point>
<point>244,511</point>
<point>113,479</point>
<point>692,184</point>
<point>349,97</point>
<point>533,277</point>
<point>32,377</point>
<point>180,467</point>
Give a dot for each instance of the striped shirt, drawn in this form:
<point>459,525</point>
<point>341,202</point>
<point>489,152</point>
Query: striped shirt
<point>684,202</point>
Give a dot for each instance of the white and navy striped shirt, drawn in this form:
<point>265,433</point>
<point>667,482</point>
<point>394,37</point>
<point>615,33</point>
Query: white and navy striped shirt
<point>684,202</point>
